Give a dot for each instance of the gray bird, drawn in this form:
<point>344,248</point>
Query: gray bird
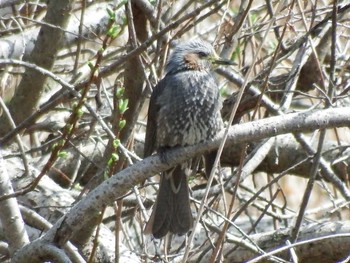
<point>184,110</point>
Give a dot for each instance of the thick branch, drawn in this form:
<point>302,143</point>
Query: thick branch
<point>120,183</point>
<point>331,249</point>
<point>10,215</point>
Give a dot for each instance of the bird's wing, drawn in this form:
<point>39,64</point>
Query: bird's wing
<point>151,129</point>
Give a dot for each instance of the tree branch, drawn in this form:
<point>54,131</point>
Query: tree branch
<point>122,182</point>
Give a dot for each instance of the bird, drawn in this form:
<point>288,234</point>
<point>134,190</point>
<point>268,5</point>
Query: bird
<point>184,110</point>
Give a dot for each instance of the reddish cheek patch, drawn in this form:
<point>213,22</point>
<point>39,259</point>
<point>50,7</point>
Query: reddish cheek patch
<point>191,60</point>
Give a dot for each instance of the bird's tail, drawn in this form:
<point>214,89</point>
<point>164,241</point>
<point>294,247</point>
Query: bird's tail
<point>171,212</point>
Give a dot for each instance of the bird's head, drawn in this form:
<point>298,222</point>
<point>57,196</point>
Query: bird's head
<point>193,55</point>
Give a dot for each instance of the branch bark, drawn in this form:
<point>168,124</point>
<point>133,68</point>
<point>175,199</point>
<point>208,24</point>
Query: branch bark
<point>121,183</point>
<point>323,242</point>
<point>10,215</point>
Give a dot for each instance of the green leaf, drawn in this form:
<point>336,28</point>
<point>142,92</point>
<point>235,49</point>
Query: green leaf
<point>122,124</point>
<point>62,154</point>
<point>115,157</point>
<point>122,3</point>
<point>120,92</point>
<point>77,187</point>
<point>116,143</point>
<point>123,105</point>
<point>111,14</point>
<point>69,128</point>
<point>114,31</point>
<point>80,112</point>
<point>90,64</point>
<point>110,162</point>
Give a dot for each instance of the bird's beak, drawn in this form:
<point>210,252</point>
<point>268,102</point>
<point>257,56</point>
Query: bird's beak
<point>221,61</point>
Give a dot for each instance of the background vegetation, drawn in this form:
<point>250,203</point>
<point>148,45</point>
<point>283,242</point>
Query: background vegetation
<point>75,79</point>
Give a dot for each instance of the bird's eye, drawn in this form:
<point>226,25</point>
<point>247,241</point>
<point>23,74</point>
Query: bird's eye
<point>202,54</point>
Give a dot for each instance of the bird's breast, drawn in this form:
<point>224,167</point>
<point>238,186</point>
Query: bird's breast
<point>189,110</point>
